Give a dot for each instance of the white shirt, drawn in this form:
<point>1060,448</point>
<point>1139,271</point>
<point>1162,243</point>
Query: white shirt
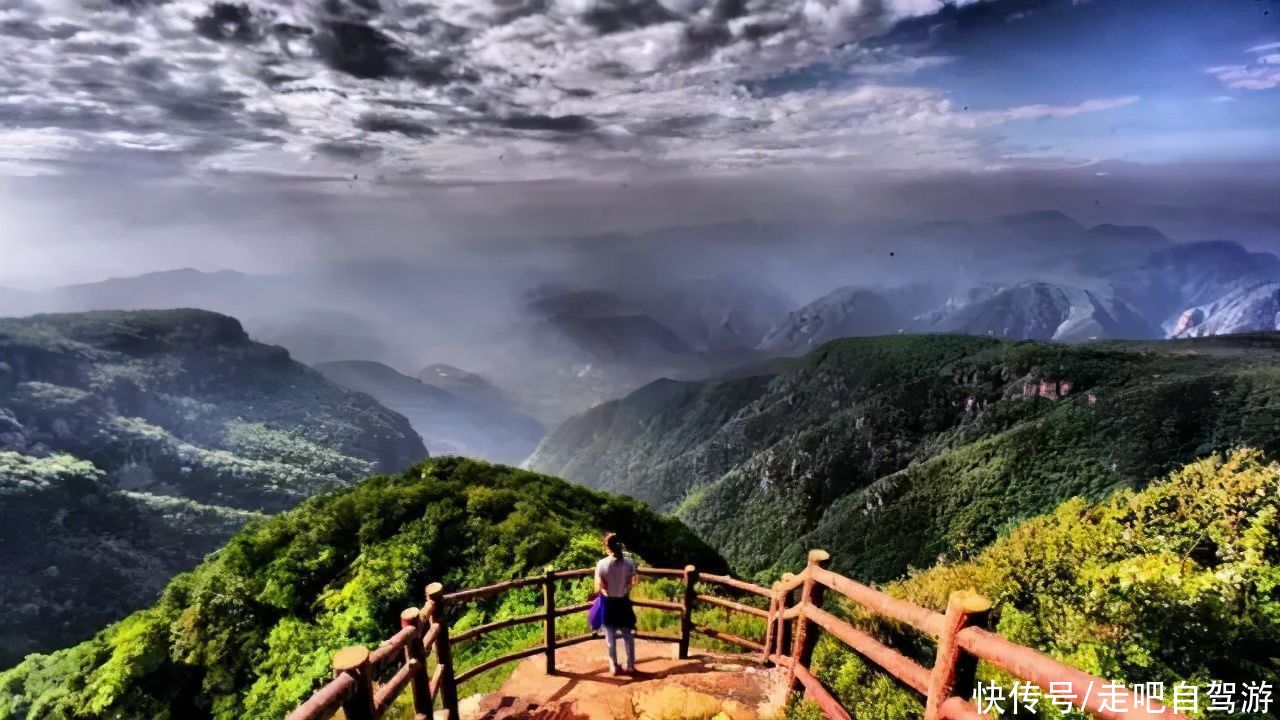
<point>616,574</point>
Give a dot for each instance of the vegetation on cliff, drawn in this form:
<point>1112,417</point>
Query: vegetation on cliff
<point>250,631</point>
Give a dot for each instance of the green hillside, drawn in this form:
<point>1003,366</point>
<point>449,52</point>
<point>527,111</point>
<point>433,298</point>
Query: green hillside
<point>1178,583</point>
<point>249,632</point>
<point>895,451</point>
<point>133,443</point>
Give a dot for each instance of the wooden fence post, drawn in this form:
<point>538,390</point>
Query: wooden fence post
<point>416,655</point>
<point>354,661</point>
<point>686,611</point>
<point>806,633</point>
<point>444,655</point>
<point>953,669</point>
<point>783,639</point>
<point>771,625</point>
<point>549,619</point>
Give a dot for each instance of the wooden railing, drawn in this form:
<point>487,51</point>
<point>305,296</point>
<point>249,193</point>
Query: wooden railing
<point>792,626</point>
<point>356,692</point>
<point>961,642</point>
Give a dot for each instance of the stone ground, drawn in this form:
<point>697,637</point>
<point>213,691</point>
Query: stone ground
<point>723,687</point>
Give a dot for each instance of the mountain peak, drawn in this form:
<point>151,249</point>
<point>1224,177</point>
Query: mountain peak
<point>1144,233</point>
<point>1040,217</point>
<point>122,329</point>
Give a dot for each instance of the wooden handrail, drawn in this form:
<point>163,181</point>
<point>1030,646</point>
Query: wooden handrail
<point>325,703</point>
<point>737,584</point>
<point>429,638</point>
<point>477,631</point>
<point>658,605</point>
<point>471,672</point>
<point>943,686</point>
<point>1041,670</point>
<point>960,638</point>
<point>728,638</point>
<point>734,606</point>
<point>387,694</point>
<point>790,582</point>
<point>415,660</point>
<point>659,572</point>
<point>390,649</point>
<point>488,590</point>
<point>925,620</point>
<point>893,662</point>
<point>571,609</point>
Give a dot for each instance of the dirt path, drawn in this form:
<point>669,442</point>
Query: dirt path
<point>725,687</point>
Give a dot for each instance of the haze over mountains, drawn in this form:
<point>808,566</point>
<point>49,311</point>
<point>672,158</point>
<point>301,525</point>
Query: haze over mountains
<point>559,326</point>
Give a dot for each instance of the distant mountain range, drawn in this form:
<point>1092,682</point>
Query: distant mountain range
<point>472,419</point>
<point>1191,290</point>
<point>554,343</point>
<point>1038,311</point>
<point>844,312</point>
<point>132,443</point>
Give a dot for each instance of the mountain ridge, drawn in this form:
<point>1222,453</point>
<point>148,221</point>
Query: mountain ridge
<point>848,447</point>
<point>132,443</point>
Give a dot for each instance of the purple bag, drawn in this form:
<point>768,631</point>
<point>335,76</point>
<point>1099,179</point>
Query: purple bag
<point>595,615</point>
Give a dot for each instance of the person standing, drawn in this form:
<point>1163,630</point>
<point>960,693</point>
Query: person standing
<point>615,576</point>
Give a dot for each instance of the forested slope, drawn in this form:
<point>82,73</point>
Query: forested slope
<point>894,451</point>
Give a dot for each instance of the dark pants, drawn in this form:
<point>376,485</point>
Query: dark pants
<point>619,619</point>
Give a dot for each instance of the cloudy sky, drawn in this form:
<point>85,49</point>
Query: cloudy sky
<point>150,132</point>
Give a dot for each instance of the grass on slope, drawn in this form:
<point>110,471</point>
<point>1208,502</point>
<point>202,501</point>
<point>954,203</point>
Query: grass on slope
<point>249,633</point>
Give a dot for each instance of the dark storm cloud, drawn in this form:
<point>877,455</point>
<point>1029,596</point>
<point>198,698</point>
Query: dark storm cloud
<point>32,31</point>
<point>511,10</point>
<point>611,16</point>
<point>358,49</point>
<point>349,151</point>
<point>384,123</point>
<point>365,52</point>
<point>559,124</point>
<point>228,21</point>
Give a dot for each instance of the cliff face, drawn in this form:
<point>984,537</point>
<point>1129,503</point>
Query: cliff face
<point>132,443</point>
<point>892,451</point>
<point>1247,309</point>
